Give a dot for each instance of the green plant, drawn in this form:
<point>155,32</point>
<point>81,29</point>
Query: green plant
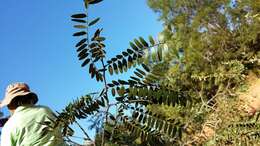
<point>130,97</point>
<point>220,40</point>
<point>211,48</point>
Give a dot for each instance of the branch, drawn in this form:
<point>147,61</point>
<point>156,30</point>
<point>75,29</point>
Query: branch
<point>83,130</point>
<point>74,143</point>
<point>106,90</point>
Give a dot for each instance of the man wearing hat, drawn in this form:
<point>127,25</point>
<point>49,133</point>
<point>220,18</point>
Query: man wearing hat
<point>24,127</point>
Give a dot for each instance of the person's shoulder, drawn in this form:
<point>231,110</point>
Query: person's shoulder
<point>45,111</point>
<point>43,108</point>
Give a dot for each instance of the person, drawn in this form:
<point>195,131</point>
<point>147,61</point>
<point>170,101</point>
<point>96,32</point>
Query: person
<point>25,126</point>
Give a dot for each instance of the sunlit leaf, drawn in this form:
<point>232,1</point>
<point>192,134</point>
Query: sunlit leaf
<point>159,55</point>
<point>135,78</point>
<point>80,26</point>
<point>81,42</point>
<point>130,61</point>
<point>138,74</point>
<point>81,33</point>
<point>81,47</point>
<point>110,69</point>
<point>124,62</point>
<point>119,56</point>
<point>101,103</point>
<point>93,73</point>
<point>94,22</point>
<point>125,53</point>
<point>115,83</point>
<point>140,71</point>
<point>94,1</point>
<point>85,62</point>
<point>134,57</point>
<point>133,46</point>
<point>112,117</point>
<point>93,45</point>
<point>79,20</point>
<point>113,91</point>
<point>96,59</point>
<point>98,77</point>
<point>91,68</point>
<point>114,59</point>
<point>143,42</point>
<point>138,43</point>
<point>110,85</point>
<point>79,15</point>
<point>96,34</point>
<point>115,68</point>
<point>120,98</point>
<point>121,91</point>
<point>122,82</point>
<point>100,39</point>
<point>130,51</point>
<point>151,40</point>
<point>83,54</point>
<point>120,65</point>
<point>86,3</point>
<point>146,67</point>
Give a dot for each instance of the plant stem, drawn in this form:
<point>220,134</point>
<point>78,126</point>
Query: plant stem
<point>108,106</point>
<point>82,130</point>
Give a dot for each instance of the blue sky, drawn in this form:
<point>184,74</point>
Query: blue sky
<point>37,46</point>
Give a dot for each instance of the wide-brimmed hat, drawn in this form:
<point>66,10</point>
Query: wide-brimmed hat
<point>17,90</point>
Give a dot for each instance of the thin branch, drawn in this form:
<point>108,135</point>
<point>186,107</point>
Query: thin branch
<point>129,101</point>
<point>86,134</point>
<point>71,141</point>
<point>87,23</point>
<point>108,106</point>
<point>141,100</point>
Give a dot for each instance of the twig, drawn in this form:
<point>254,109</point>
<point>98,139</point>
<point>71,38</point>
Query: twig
<point>70,141</point>
<point>86,134</point>
<point>108,106</point>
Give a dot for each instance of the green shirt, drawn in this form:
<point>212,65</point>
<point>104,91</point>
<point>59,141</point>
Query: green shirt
<point>24,128</point>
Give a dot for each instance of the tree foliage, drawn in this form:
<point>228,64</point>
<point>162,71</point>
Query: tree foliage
<point>130,97</point>
<point>220,42</point>
<point>183,92</point>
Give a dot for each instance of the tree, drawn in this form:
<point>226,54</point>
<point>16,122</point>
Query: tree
<point>131,95</point>
<point>221,47</point>
<point>194,76</point>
